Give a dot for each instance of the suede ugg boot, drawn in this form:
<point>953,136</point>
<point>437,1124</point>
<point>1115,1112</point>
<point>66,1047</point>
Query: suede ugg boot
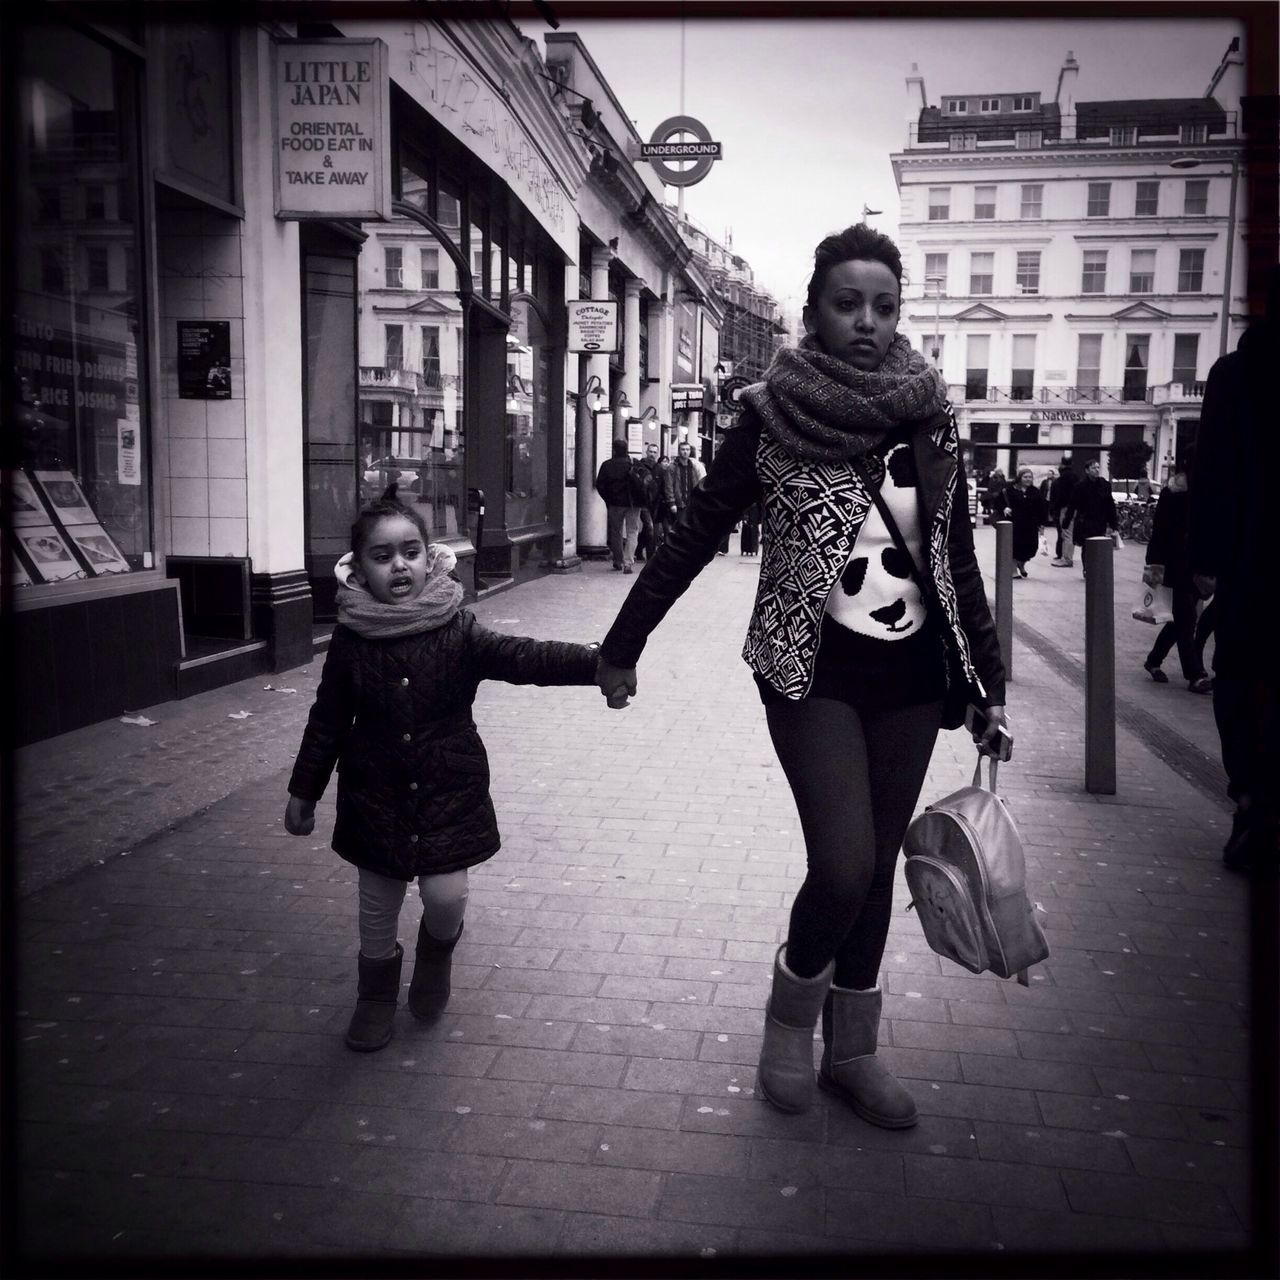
<point>429,988</point>
<point>785,1075</point>
<point>379,988</point>
<point>850,1068</point>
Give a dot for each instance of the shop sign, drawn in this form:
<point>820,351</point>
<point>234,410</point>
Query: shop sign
<point>331,140</point>
<point>661,148</point>
<point>1058,415</point>
<point>593,326</point>
<point>686,396</point>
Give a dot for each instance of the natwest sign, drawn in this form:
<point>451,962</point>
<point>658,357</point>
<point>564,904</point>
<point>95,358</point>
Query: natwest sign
<point>330,140</point>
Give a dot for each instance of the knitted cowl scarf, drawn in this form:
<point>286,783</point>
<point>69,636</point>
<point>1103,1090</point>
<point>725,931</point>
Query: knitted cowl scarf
<point>824,410</point>
<point>440,599</point>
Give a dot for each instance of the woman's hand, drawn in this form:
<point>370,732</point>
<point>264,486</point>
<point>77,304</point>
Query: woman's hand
<point>299,816</point>
<point>996,720</point>
<point>1153,575</point>
<point>616,683</point>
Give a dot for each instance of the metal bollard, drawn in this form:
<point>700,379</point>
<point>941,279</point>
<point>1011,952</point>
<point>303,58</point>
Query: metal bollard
<point>1100,667</point>
<point>1004,594</point>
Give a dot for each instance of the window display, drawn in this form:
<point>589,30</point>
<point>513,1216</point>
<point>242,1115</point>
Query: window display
<point>77,463</point>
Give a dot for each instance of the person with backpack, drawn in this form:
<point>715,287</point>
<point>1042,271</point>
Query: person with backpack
<point>623,495</point>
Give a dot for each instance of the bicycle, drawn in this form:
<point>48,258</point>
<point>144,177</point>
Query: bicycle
<point>1135,520</point>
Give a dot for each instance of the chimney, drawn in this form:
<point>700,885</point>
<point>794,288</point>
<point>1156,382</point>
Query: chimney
<point>1227,84</point>
<point>916,101</point>
<point>1065,96</point>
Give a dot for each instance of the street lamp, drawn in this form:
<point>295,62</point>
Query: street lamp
<point>938,283</point>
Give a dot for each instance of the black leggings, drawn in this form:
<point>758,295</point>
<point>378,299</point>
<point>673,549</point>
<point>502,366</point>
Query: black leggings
<point>856,775</point>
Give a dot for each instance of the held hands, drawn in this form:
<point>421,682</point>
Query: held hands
<point>618,684</point>
<point>299,816</point>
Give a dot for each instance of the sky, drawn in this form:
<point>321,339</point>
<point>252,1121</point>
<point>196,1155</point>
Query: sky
<point>809,110</point>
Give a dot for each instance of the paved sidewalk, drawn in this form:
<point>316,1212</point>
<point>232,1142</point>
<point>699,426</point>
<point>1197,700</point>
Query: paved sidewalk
<point>183,1089</point>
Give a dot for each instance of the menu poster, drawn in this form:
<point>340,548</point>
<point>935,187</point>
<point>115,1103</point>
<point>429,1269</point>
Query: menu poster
<point>25,504</point>
<point>14,570</point>
<point>96,547</point>
<point>204,359</point>
<point>50,558</point>
<point>67,502</point>
<point>128,461</point>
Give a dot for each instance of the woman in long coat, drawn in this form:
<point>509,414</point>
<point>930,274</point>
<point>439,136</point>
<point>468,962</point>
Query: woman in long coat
<point>1029,515</point>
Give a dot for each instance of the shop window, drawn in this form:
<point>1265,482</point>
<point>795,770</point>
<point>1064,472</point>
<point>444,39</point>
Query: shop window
<point>1190,270</point>
<point>1142,270</point>
<point>81,489</point>
<point>1099,200</point>
<point>1186,352</point>
<point>984,203</point>
<point>1032,200</point>
<point>1137,348</point>
<point>1146,202</point>
<point>981,272</point>
<point>1028,270</point>
<point>1195,197</point>
<point>1093,277</point>
<point>1088,366</point>
<point>528,419</point>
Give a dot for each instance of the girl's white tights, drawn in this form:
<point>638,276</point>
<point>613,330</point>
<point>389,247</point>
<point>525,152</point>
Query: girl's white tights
<point>444,901</point>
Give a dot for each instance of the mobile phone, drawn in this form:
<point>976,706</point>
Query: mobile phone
<point>976,721</point>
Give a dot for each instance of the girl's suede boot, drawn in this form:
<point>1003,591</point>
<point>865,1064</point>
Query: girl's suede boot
<point>850,1068</point>
<point>379,987</point>
<point>785,1075</point>
<point>429,988</point>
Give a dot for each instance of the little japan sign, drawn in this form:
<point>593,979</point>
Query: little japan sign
<point>331,144</point>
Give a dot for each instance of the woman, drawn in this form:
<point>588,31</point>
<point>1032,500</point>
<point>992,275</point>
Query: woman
<point>858,661</point>
<point>1027,511</point>
<point>1168,565</point>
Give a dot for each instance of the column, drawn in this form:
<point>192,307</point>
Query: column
<point>593,529</point>
<point>630,352</point>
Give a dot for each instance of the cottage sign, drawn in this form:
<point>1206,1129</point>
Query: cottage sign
<point>330,138</point>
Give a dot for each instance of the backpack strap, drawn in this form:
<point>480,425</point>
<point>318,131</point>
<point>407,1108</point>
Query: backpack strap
<point>992,766</point>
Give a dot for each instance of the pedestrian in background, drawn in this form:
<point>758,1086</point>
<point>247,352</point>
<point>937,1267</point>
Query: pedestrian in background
<point>1232,553</point>
<point>687,473</point>
<point>858,660</point>
<point>664,500</point>
<point>1091,510</point>
<point>1059,500</point>
<point>613,484</point>
<point>1167,565</point>
<point>647,541</point>
<point>393,712</point>
<point>749,542</point>
<point>1026,511</point>
<point>996,485</point>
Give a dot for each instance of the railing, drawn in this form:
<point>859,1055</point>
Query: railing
<point>1171,391</point>
<point>979,394</point>
<point>376,375</point>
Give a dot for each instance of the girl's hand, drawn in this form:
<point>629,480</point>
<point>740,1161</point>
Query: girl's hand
<point>616,683</point>
<point>995,719</point>
<point>299,816</point>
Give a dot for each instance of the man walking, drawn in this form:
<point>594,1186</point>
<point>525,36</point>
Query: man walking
<point>1059,496</point>
<point>686,474</point>
<point>613,484</point>
<point>649,540</point>
<point>1091,510</point>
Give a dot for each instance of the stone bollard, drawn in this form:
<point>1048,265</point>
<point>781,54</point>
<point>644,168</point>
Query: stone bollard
<point>1004,594</point>
<point>1100,667</point>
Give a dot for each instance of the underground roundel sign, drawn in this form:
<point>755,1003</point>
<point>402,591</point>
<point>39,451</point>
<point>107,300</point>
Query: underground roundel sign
<point>671,142</point>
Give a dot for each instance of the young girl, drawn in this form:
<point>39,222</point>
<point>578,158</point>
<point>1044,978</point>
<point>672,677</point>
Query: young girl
<point>393,711</point>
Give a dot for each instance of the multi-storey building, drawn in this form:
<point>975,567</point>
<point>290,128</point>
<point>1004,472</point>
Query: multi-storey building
<point>1073,267</point>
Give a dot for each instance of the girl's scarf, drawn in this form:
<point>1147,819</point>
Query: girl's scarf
<point>824,410</point>
<point>440,599</point>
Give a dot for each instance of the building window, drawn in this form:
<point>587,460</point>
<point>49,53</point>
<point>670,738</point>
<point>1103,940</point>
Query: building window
<point>477,269</point>
<point>97,271</point>
<point>1099,205</point>
<point>981,272</point>
<point>95,204</point>
<point>1028,270</point>
<point>939,204</point>
<point>1093,279</point>
<point>394,358</point>
<point>1147,202</point>
<point>1032,200</point>
<point>393,267</point>
<point>431,356</point>
<point>1088,366</point>
<point>1186,352</point>
<point>1194,133</point>
<point>1142,270</point>
<point>52,277</point>
<point>977,353</point>
<point>1195,196</point>
<point>1028,139</point>
<point>1024,103</point>
<point>963,141</point>
<point>1123,135</point>
<point>1022,381</point>
<point>935,270</point>
<point>48,204</point>
<point>957,107</point>
<point>989,104</point>
<point>431,268</point>
<point>1190,270</point>
<point>1137,353</point>
<point>984,202</point>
